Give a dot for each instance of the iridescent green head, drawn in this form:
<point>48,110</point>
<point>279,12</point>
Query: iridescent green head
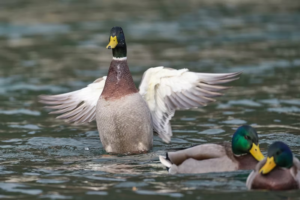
<point>279,154</point>
<point>245,140</point>
<point>117,42</point>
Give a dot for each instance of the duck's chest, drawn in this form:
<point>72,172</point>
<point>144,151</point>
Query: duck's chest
<point>119,82</point>
<point>127,108</point>
<point>277,179</point>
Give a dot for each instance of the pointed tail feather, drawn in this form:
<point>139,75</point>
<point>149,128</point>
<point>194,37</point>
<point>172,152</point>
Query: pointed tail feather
<point>165,162</point>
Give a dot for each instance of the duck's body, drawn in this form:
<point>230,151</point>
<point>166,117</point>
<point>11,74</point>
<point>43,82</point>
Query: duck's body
<point>278,178</point>
<point>207,158</point>
<point>126,116</point>
<point>123,117</point>
<point>132,133</point>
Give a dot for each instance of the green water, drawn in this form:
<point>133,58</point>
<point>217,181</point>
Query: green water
<point>52,47</point>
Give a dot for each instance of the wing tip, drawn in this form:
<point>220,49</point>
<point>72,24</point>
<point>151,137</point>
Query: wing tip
<point>166,136</point>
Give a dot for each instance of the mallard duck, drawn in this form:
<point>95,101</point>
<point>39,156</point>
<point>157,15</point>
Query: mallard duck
<point>126,116</point>
<point>242,153</point>
<point>279,171</point>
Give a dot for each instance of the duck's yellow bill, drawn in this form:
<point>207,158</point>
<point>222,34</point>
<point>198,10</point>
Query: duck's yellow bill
<point>270,164</point>
<point>113,42</point>
<point>256,153</point>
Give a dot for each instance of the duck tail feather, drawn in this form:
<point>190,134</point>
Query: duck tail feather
<point>165,161</point>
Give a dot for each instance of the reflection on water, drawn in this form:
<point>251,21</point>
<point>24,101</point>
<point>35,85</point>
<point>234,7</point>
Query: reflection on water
<point>55,47</point>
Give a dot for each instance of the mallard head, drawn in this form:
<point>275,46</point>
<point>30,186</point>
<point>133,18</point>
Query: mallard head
<point>245,140</point>
<point>117,42</point>
<point>279,154</point>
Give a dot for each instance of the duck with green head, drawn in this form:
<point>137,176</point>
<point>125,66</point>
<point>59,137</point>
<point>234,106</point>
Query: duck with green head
<point>242,153</point>
<point>126,117</point>
<point>279,171</point>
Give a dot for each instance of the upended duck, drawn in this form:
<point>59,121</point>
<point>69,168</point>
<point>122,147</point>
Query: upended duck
<point>243,153</point>
<point>126,117</point>
<point>279,171</point>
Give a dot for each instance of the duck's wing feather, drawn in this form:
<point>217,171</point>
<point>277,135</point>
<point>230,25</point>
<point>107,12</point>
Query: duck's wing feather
<point>78,106</point>
<point>199,152</point>
<point>166,90</point>
<point>296,170</point>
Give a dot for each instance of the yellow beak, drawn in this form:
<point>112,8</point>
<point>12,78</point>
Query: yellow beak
<point>270,164</point>
<point>113,42</point>
<point>256,153</point>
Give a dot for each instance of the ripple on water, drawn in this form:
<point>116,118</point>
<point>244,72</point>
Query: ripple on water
<point>291,139</point>
<point>105,178</point>
<point>129,184</point>
<point>53,181</point>
<point>96,193</point>
<point>13,140</point>
<point>162,192</point>
<point>242,102</point>
<point>212,131</point>
<point>270,101</point>
<point>20,112</point>
<point>48,142</point>
<point>292,102</point>
<point>56,196</point>
<point>284,101</point>
<point>16,187</point>
<point>234,121</point>
<point>29,87</point>
<point>14,30</point>
<point>27,126</point>
<point>292,109</point>
<point>31,174</point>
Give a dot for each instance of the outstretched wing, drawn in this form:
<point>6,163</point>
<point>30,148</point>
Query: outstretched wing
<point>166,90</point>
<point>78,106</point>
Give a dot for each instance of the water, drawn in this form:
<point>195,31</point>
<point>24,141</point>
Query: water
<point>59,46</point>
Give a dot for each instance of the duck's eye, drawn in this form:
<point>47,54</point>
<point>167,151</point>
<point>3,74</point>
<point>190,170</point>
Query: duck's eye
<point>278,152</point>
<point>247,137</point>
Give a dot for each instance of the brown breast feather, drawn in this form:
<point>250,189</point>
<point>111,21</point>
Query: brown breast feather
<point>119,81</point>
<point>277,179</point>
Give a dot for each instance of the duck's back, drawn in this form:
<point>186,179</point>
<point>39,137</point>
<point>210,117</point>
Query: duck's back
<point>203,158</point>
<point>191,165</point>
<point>123,117</point>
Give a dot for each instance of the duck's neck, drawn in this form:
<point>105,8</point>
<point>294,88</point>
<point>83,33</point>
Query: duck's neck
<point>119,82</point>
<point>246,161</point>
<point>120,51</point>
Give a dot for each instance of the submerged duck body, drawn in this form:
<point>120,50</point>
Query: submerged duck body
<point>242,154</point>
<point>279,171</point>
<point>126,117</point>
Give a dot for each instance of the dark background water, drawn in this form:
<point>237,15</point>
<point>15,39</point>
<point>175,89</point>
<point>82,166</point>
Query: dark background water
<point>51,47</point>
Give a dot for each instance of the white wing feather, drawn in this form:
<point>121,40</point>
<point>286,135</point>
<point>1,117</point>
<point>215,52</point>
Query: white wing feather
<point>78,106</point>
<point>166,90</point>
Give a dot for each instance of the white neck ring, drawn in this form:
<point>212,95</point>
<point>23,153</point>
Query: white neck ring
<point>123,58</point>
